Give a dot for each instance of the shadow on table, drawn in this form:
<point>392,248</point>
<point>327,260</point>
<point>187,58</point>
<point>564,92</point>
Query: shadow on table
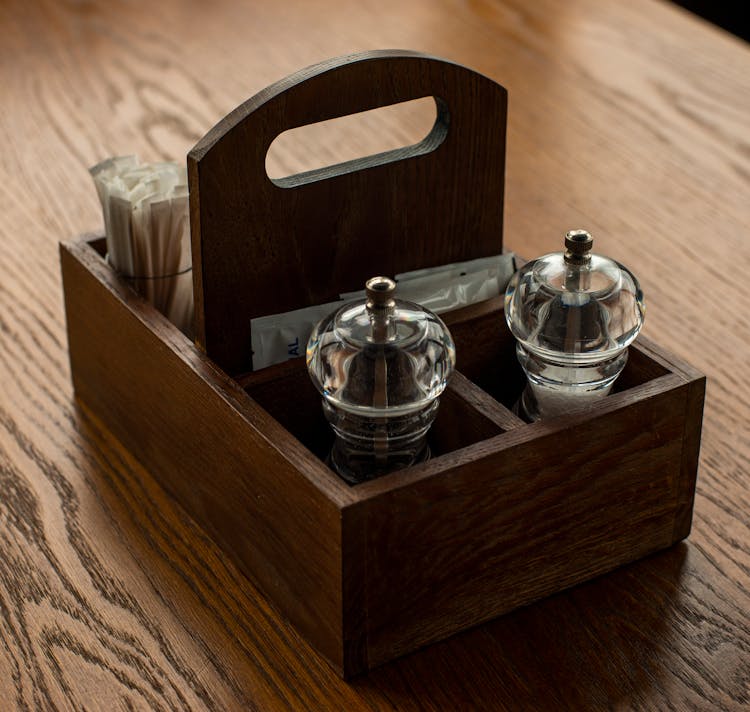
<point>608,642</point>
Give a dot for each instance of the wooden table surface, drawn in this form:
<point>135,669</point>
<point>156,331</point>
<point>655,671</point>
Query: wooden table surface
<point>629,119</point>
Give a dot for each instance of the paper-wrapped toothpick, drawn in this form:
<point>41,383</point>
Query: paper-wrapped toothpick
<point>145,209</point>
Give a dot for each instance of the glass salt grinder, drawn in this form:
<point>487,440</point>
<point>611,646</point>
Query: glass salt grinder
<point>573,315</point>
<point>380,365</point>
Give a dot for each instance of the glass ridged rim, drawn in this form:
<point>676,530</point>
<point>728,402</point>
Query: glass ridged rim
<point>389,411</point>
<point>535,267</point>
<point>337,325</point>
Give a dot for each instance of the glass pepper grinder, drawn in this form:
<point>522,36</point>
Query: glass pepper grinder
<point>380,365</point>
<point>573,315</point>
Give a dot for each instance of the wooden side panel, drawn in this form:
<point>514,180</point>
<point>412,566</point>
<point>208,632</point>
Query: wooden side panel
<point>210,446</point>
<point>691,443</point>
<point>538,509</point>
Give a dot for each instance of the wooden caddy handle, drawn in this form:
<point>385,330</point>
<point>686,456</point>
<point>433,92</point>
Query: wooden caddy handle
<point>262,246</point>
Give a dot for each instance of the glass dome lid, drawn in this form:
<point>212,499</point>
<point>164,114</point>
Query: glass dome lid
<point>380,356</point>
<point>574,307</point>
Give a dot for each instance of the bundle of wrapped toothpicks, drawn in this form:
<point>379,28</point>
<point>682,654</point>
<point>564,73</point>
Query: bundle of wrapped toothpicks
<point>145,209</point>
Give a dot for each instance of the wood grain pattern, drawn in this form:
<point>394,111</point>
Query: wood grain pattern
<point>503,513</point>
<point>560,520</point>
<point>301,241</point>
<point>629,119</point>
<point>238,487</point>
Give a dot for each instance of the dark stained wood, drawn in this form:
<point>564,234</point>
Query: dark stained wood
<point>205,441</point>
<point>529,514</point>
<point>263,246</point>
<point>286,392</point>
<point>482,403</point>
<point>485,350</point>
<point>628,119</point>
<point>503,513</point>
<point>466,414</point>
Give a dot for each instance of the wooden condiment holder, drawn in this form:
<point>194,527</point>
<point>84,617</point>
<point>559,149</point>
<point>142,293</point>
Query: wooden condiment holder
<point>504,513</point>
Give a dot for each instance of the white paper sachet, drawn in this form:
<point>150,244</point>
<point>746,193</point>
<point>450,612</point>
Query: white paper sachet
<point>279,337</point>
<point>145,209</point>
<point>503,263</point>
<point>448,287</point>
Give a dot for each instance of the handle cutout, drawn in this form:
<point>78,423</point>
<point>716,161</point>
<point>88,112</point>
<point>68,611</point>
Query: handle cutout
<point>398,131</point>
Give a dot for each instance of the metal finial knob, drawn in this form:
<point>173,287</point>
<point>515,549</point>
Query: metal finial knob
<point>578,244</point>
<point>380,291</point>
